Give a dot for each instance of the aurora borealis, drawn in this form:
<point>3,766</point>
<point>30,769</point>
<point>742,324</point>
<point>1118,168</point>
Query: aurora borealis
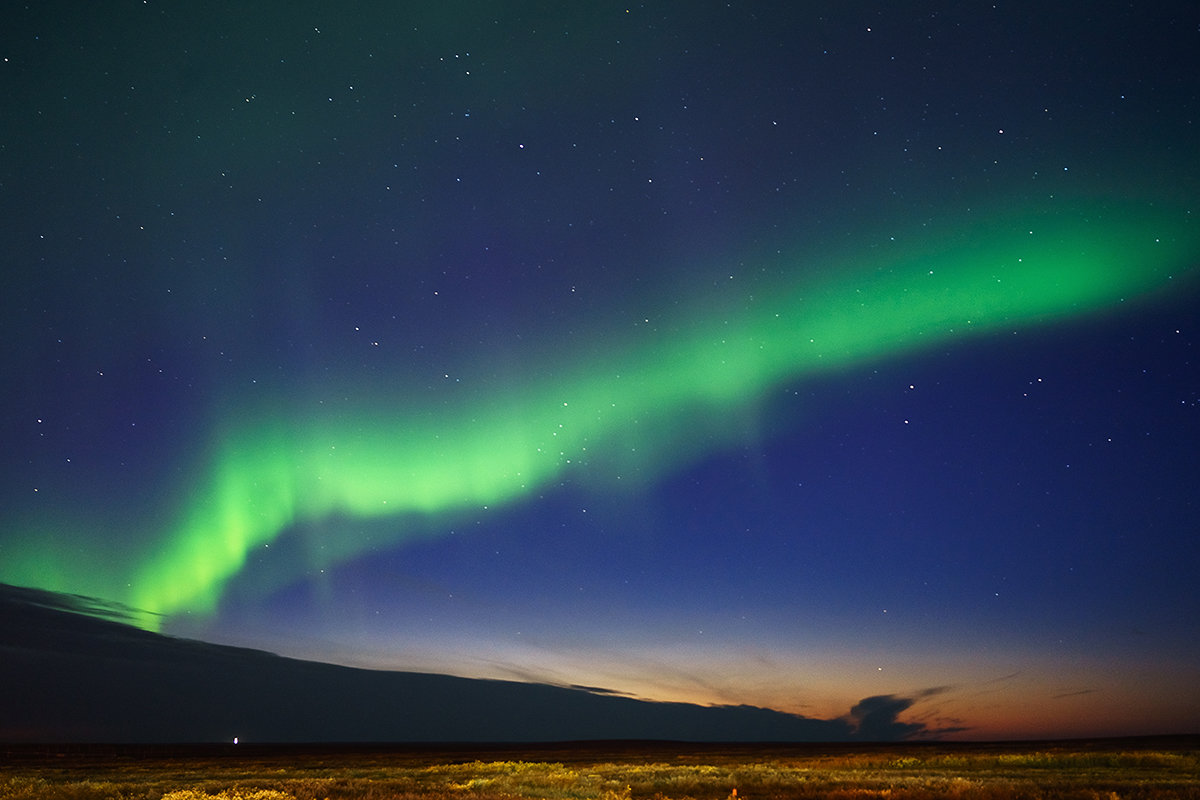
<point>426,343</point>
<point>657,399</point>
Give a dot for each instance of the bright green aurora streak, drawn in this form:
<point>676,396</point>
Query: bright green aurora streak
<point>625,418</point>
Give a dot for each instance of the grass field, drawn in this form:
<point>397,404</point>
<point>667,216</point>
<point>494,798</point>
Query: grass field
<point>1100,770</point>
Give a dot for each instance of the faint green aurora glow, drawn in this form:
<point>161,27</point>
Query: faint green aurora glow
<point>646,406</point>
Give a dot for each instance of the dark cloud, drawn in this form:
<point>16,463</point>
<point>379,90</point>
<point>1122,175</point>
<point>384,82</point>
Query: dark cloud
<point>875,718</point>
<point>86,676</point>
<point>935,724</point>
<point>73,603</point>
<point>91,680</point>
<point>596,689</point>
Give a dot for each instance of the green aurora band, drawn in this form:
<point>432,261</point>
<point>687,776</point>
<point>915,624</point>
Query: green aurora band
<point>652,404</point>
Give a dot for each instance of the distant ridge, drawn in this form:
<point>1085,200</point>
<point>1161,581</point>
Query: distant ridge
<point>71,675</point>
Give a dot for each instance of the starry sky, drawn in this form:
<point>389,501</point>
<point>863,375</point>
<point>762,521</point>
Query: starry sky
<point>782,354</point>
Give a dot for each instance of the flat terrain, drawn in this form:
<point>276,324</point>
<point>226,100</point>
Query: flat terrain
<point>1095,770</point>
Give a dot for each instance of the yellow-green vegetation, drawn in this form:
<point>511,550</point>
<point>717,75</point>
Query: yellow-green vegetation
<point>1096,771</point>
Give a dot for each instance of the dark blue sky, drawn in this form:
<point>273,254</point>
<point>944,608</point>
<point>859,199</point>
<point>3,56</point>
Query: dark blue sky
<point>724,353</point>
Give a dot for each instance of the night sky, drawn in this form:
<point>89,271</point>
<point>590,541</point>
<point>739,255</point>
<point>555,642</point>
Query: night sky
<point>783,354</point>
